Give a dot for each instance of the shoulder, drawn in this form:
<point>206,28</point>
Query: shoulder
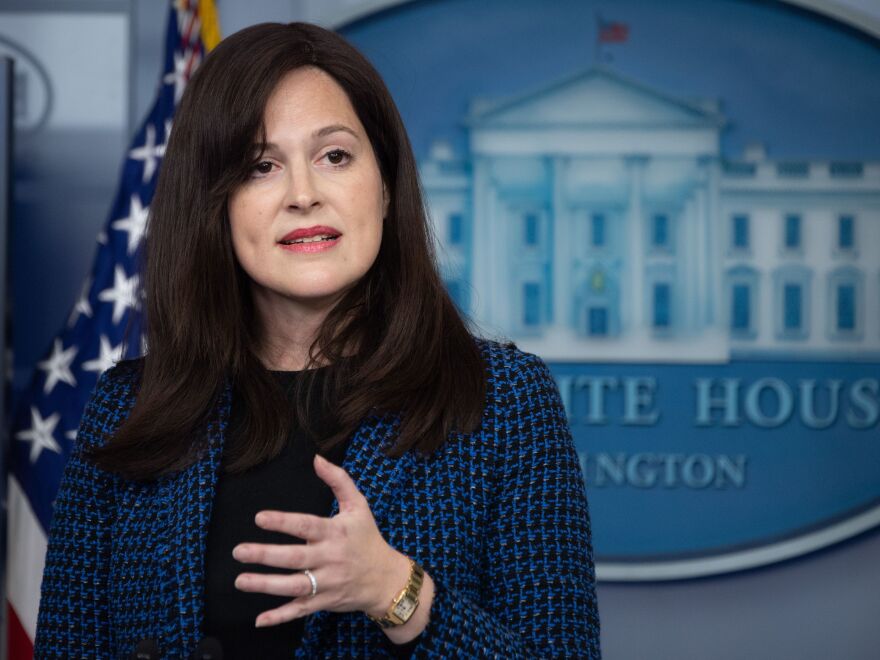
<point>517,383</point>
<point>114,396</point>
<point>528,420</point>
<point>120,383</point>
<point>507,364</point>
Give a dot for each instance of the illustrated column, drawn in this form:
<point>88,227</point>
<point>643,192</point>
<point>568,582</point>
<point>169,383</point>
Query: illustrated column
<point>690,259</point>
<point>485,256</point>
<point>711,246</point>
<point>634,239</point>
<point>561,256</point>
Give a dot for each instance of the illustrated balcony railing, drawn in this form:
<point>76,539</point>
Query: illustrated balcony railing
<point>863,175</point>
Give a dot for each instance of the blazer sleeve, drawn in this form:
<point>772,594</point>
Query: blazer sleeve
<point>74,617</point>
<point>539,598</point>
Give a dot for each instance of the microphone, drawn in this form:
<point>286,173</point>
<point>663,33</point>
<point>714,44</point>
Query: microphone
<point>208,649</point>
<point>147,649</point>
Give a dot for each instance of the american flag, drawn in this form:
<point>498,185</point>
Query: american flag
<point>48,413</point>
<point>612,32</point>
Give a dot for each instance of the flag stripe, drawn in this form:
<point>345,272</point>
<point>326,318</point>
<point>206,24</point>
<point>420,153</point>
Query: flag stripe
<point>27,553</point>
<point>39,492</point>
<point>210,24</point>
<point>20,645</point>
<point>613,32</point>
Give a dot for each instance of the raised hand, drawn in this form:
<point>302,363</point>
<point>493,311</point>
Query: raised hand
<point>353,567</point>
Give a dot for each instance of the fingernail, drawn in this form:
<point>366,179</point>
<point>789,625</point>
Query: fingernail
<point>237,552</point>
<point>259,623</point>
<point>260,518</point>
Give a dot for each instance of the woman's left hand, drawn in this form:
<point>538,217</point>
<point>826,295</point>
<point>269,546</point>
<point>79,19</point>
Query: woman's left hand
<point>354,567</point>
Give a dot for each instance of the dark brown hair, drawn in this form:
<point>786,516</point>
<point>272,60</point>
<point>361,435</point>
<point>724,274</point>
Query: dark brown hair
<point>414,354</point>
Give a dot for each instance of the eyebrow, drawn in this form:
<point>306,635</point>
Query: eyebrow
<point>321,132</point>
<point>333,128</point>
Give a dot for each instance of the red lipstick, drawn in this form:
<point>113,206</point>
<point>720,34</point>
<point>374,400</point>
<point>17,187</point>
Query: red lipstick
<point>311,239</point>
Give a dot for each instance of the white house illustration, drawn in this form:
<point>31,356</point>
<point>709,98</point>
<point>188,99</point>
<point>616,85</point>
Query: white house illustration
<point>596,219</point>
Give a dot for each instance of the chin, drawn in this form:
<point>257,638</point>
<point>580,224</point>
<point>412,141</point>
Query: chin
<point>319,294</point>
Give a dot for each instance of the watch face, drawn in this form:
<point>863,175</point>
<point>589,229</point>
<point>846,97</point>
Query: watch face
<point>405,608</point>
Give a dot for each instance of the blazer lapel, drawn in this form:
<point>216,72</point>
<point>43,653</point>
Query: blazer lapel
<point>381,480</point>
<point>378,477</point>
<point>188,501</point>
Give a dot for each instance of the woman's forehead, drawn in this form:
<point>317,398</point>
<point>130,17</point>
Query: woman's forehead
<point>309,100</point>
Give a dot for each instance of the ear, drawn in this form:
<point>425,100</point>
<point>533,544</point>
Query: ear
<point>386,200</point>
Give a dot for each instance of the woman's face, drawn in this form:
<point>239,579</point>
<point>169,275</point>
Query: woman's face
<point>307,224</point>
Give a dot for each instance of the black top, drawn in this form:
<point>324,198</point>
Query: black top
<point>286,483</point>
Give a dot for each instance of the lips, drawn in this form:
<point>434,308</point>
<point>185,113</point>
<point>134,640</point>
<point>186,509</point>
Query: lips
<point>310,240</point>
<point>308,235</point>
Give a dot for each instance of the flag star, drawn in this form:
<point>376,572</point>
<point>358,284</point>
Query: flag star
<point>135,224</point>
<point>107,357</point>
<point>168,124</point>
<point>57,366</point>
<point>121,294</point>
<point>178,76</point>
<point>71,435</point>
<point>40,434</point>
<point>149,153</point>
<point>102,238</point>
<point>82,306</point>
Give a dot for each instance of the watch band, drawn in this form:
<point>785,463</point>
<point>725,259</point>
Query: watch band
<point>406,602</point>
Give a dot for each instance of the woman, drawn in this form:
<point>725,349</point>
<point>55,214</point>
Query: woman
<point>294,311</point>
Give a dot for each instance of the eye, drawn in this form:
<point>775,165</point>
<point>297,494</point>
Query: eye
<point>338,157</point>
<point>263,167</point>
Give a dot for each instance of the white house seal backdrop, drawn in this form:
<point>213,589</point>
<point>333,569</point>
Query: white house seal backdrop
<point>679,211</point>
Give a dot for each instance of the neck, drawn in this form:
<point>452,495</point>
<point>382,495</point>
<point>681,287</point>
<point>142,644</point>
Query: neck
<point>289,329</point>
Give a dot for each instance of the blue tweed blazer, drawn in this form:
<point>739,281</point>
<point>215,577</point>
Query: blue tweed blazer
<point>497,517</point>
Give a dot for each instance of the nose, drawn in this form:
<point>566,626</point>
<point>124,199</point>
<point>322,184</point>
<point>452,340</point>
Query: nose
<point>302,191</point>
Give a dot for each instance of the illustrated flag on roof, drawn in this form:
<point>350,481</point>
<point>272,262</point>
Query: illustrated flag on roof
<point>48,414</point>
<point>612,32</point>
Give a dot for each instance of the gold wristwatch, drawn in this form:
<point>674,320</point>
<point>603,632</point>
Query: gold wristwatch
<point>407,601</point>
